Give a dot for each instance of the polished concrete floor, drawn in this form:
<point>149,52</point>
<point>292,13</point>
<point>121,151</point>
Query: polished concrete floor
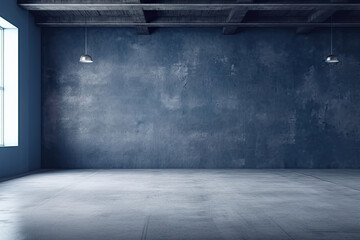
<point>182,204</point>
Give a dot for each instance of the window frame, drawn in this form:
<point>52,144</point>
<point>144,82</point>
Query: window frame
<point>1,87</point>
<point>9,74</point>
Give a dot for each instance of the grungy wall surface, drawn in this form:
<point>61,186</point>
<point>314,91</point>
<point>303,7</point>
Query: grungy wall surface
<point>26,156</point>
<point>194,98</point>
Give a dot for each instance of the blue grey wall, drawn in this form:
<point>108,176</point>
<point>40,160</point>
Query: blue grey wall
<point>27,156</point>
<point>194,98</point>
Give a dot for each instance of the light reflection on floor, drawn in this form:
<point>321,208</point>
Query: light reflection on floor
<point>182,204</point>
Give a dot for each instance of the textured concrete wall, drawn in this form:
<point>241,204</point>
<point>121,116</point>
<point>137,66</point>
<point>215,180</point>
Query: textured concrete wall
<point>193,98</point>
<point>26,156</point>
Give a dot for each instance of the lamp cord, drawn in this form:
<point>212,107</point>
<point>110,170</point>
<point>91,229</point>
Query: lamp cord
<point>85,39</point>
<point>331,36</point>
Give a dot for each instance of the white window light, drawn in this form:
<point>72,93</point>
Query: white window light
<point>8,84</point>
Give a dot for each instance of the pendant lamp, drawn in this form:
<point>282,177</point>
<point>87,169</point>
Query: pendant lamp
<point>331,58</point>
<point>86,58</point>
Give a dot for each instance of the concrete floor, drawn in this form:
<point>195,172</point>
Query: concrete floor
<point>182,204</point>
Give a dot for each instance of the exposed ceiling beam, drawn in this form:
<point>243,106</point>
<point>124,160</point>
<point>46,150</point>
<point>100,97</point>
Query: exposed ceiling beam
<point>135,19</point>
<point>235,15</point>
<point>142,30</point>
<point>41,5</point>
<point>318,17</point>
<point>88,20</point>
<point>192,24</point>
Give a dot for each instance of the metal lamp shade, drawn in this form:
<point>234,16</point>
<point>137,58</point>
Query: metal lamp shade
<point>86,59</point>
<point>332,59</point>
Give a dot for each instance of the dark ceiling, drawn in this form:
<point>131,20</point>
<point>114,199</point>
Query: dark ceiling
<point>230,15</point>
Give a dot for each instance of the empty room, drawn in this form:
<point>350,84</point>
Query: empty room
<point>179,120</point>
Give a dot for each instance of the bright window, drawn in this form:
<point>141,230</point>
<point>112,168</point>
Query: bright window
<point>8,84</point>
<point>1,87</point>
